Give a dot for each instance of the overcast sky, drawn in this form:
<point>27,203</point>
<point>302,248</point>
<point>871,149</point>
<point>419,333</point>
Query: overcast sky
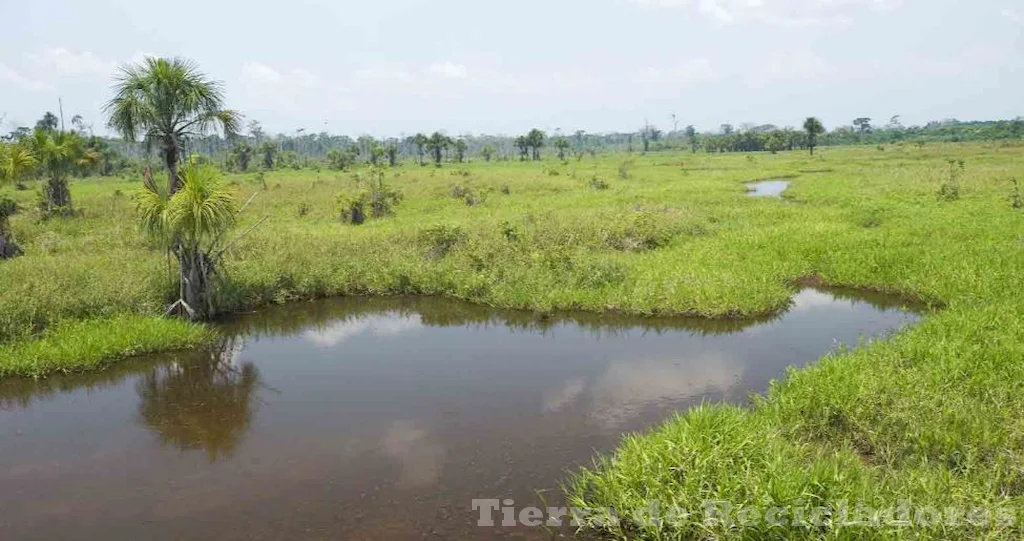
<point>390,67</point>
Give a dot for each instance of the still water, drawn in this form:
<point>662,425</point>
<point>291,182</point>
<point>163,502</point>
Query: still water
<point>767,188</point>
<point>364,418</point>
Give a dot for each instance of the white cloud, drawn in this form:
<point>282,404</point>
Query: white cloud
<point>792,65</point>
<point>449,70</point>
<point>695,71</point>
<point>715,10</point>
<point>779,12</point>
<point>262,74</point>
<point>559,398</point>
<point>382,325</point>
<point>255,72</point>
<point>1011,14</point>
<point>382,73</point>
<point>627,389</point>
<point>69,63</point>
<point>421,457</point>
<point>10,76</point>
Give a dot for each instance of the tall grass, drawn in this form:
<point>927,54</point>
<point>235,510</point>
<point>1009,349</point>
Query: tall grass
<point>90,344</point>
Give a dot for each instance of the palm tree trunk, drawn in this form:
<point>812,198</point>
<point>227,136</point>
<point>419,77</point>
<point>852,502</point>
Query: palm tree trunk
<point>195,292</point>
<point>172,151</point>
<point>57,197</point>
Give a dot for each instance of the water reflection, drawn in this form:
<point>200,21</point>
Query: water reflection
<point>202,402</point>
<point>627,390</point>
<point>767,188</point>
<point>383,325</point>
<point>331,321</point>
<point>419,456</point>
<point>377,418</point>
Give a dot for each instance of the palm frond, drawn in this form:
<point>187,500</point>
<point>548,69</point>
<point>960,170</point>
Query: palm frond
<point>201,211</point>
<point>167,98</point>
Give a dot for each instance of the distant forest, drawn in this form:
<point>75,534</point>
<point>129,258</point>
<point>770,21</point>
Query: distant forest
<point>255,149</point>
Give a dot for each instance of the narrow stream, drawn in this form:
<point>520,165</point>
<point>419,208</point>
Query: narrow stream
<point>364,418</point>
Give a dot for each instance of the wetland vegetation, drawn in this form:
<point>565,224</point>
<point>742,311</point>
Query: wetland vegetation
<point>930,414</point>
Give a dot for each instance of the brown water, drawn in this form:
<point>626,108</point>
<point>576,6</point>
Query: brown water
<point>375,418</point>
<point>767,188</point>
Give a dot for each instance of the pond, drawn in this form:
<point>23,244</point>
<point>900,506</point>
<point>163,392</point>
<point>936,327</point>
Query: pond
<point>376,418</point>
<point>767,188</point>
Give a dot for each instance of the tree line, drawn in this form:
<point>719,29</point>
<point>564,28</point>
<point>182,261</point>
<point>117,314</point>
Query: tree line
<point>252,147</point>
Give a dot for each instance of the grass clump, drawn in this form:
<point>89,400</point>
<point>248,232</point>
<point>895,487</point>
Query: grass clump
<point>441,239</point>
<point>950,188</point>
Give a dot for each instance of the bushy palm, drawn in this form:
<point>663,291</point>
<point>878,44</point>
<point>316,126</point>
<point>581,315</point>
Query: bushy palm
<point>814,128</point>
<point>16,161</point>
<point>438,143</point>
<point>166,101</point>
<point>192,223</point>
<point>58,153</point>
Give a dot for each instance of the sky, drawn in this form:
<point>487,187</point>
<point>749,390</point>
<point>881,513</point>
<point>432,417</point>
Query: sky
<point>395,67</point>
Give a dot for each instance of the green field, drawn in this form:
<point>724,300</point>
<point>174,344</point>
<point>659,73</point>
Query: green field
<point>931,415</point>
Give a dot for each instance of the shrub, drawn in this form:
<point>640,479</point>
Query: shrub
<point>378,198</point>
<point>459,191</point>
<point>598,184</point>
<point>468,195</point>
<point>643,232</point>
<point>1016,199</point>
<point>8,208</point>
<point>599,273</point>
<point>8,248</point>
<point>624,168</point>
<point>509,231</point>
<point>441,238</point>
<point>950,189</point>
<point>383,199</point>
<point>352,207</point>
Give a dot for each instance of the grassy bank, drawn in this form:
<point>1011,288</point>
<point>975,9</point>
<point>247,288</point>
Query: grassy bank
<point>91,344</point>
<point>929,415</point>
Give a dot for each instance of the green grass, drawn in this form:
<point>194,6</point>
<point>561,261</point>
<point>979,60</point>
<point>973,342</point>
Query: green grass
<point>76,346</point>
<point>931,414</point>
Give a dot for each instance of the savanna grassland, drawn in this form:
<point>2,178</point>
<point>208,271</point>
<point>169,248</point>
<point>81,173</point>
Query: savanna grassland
<point>930,415</point>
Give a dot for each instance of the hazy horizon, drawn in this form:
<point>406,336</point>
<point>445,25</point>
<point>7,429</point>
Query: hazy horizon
<point>406,66</point>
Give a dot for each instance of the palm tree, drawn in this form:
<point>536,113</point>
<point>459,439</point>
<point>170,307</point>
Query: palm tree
<point>813,127</point>
<point>421,141</point>
<point>536,140</point>
<point>437,144</point>
<point>487,152</point>
<point>8,248</point>
<point>15,162</point>
<point>59,153</point>
<point>192,223</point>
<point>460,150</point>
<point>523,144</point>
<point>49,122</point>
<point>166,101</point>
<point>269,151</point>
<point>562,144</point>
